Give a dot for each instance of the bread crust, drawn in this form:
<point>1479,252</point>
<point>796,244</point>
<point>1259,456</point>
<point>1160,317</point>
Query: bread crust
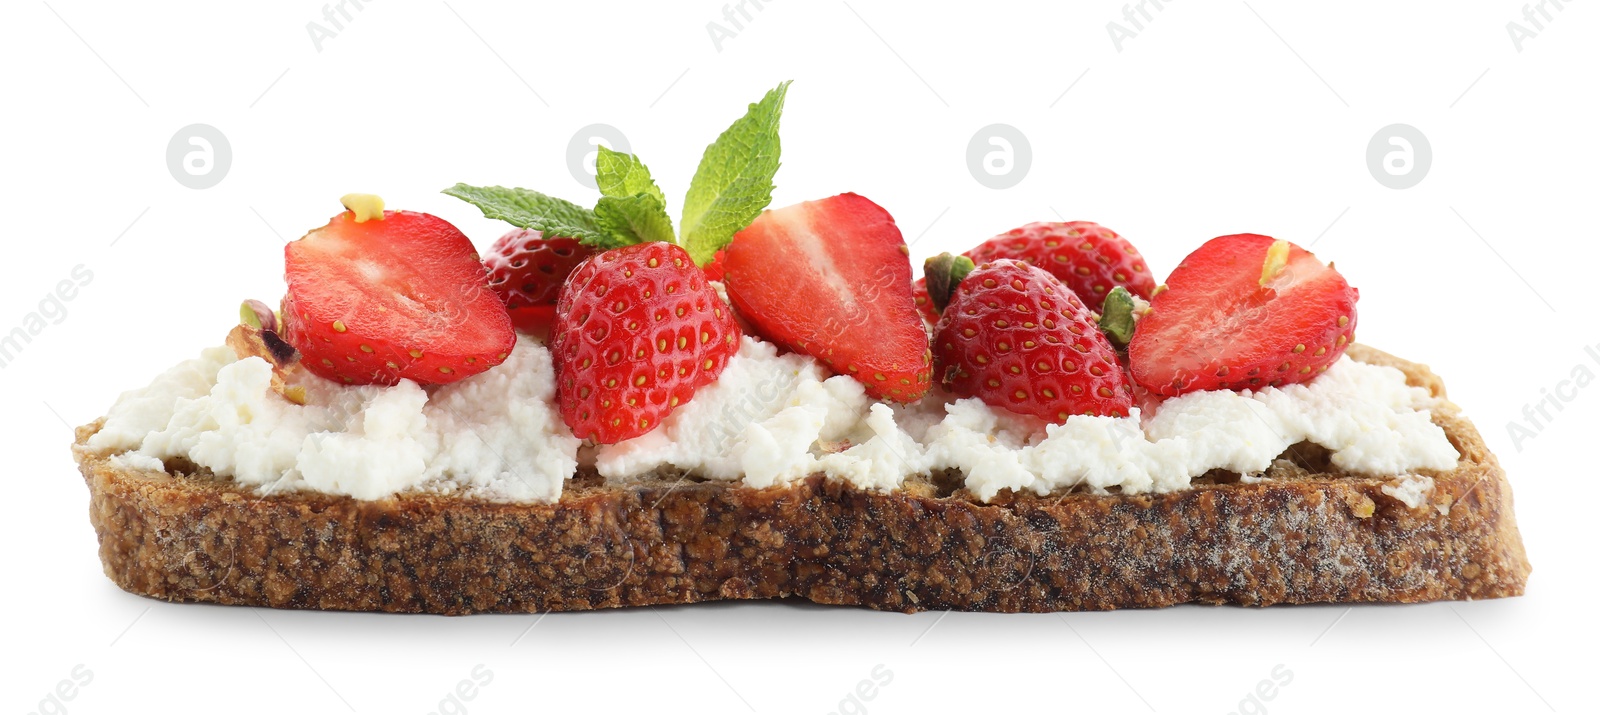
<point>1304,535</point>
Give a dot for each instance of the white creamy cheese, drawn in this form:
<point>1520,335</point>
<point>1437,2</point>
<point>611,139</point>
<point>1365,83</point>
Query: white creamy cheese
<point>1366,415</point>
<point>768,420</point>
<point>496,435</point>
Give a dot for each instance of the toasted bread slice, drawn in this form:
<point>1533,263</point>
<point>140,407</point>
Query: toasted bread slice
<point>1305,533</point>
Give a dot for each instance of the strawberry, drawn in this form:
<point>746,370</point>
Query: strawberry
<point>1091,259</point>
<point>526,270</point>
<point>637,331</point>
<point>714,268</point>
<point>919,295</point>
<point>402,296</point>
<point>1016,337</point>
<point>1243,312</point>
<point>832,279</point>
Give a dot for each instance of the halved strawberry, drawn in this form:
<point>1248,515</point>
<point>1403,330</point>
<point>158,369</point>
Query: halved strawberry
<point>832,279</point>
<point>1243,311</point>
<point>402,296</point>
<point>526,269</point>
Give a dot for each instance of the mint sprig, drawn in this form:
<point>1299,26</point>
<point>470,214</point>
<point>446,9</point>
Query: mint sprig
<point>634,219</point>
<point>526,208</point>
<point>632,208</point>
<point>734,181</point>
<point>730,188</point>
<point>622,175</point>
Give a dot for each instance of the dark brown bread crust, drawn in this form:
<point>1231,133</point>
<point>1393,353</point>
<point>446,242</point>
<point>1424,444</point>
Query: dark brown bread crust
<point>1304,535</point>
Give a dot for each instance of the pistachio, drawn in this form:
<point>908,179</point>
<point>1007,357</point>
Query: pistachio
<point>256,314</point>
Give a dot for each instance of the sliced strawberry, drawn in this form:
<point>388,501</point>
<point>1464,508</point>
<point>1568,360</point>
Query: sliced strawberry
<point>638,330</point>
<point>526,270</point>
<point>404,296</point>
<point>832,279</point>
<point>1241,312</point>
<point>1015,337</point>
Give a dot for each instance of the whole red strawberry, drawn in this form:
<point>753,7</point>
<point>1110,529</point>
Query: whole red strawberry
<point>1243,312</point>
<point>1015,337</point>
<point>1089,258</point>
<point>637,331</point>
<point>832,279</point>
<point>398,295</point>
<point>526,270</point>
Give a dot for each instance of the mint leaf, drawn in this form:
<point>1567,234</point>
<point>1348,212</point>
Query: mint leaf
<point>623,175</point>
<point>526,208</point>
<point>633,209</point>
<point>734,181</point>
<point>634,219</point>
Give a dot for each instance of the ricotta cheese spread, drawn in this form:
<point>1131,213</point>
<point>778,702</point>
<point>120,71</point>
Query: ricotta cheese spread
<point>768,420</point>
<point>1366,415</point>
<point>496,435</point>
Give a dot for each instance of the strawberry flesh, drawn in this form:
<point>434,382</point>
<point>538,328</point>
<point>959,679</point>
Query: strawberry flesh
<point>404,297</point>
<point>1222,324</point>
<point>832,279</point>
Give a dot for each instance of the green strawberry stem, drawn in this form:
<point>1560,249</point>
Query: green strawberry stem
<point>1116,317</point>
<point>944,272</point>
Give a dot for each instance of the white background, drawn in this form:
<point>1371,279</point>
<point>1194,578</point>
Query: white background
<point>1214,118</point>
